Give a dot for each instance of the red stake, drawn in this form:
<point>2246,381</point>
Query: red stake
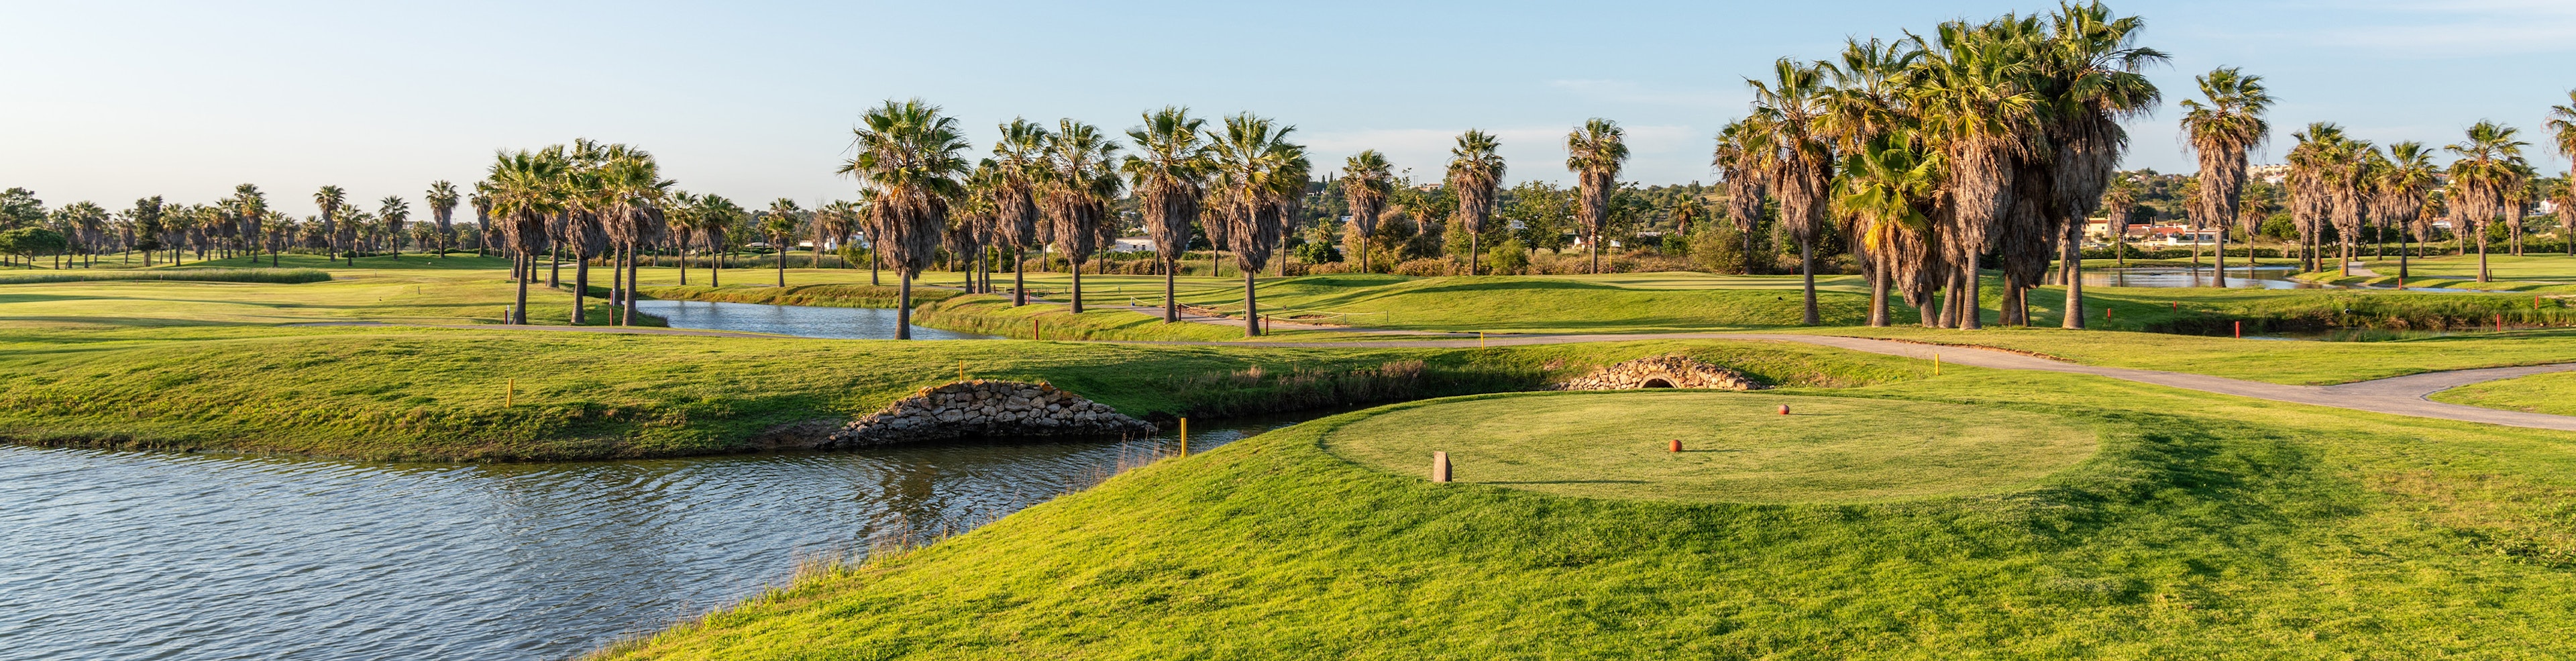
<point>1676,447</point>
<point>2240,330</point>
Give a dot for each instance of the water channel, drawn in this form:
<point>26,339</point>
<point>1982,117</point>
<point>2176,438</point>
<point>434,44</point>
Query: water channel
<point>145,555</point>
<point>807,321</point>
<point>2238,277</point>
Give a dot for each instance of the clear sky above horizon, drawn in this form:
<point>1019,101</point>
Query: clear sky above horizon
<point>110,101</point>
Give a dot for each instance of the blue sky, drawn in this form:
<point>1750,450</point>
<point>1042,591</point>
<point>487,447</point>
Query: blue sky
<point>110,101</point>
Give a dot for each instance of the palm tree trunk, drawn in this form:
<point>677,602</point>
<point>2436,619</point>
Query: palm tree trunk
<point>875,260</point>
<point>2075,298</point>
<point>1077,286</point>
<point>903,309</point>
<point>2220,280</point>
<point>1948,315</point>
<point>684,261</point>
<point>519,313</point>
<point>2401,258</point>
<point>632,278</point>
<point>1251,311</point>
<point>1806,267</point>
<point>1878,278</point>
<point>1171,307</point>
<point>1019,276</point>
<point>580,290</point>
<point>1473,254</point>
<point>2482,256</point>
<point>1969,315</point>
<point>782,267</point>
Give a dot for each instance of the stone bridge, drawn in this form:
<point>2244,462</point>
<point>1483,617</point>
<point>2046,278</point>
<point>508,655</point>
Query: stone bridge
<point>987,408</point>
<point>1674,371</point>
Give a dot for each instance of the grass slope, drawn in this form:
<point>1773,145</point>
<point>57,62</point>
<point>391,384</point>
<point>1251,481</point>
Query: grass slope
<point>440,393</point>
<point>2276,361</point>
<point>2205,527</point>
<point>1520,304</point>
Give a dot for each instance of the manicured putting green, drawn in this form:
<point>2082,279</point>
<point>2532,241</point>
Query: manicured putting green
<point>1736,447</point>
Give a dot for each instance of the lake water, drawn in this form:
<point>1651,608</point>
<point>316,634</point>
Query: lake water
<point>2238,277</point>
<point>803,320</point>
<point>141,555</point>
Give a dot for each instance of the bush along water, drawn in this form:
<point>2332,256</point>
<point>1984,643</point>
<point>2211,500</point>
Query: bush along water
<point>2376,310</point>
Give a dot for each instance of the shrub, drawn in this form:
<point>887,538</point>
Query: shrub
<point>1508,257</point>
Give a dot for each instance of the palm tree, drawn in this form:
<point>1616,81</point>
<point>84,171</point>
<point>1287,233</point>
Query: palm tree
<point>1258,176</point>
<point>909,156</point>
<point>2117,206</point>
<point>330,199</point>
<point>1594,152</point>
<point>2481,177</point>
<point>442,212</point>
<point>1891,188</point>
<point>2401,190</point>
<point>1476,172</point>
<point>2221,130</point>
<point>252,206</point>
<point>716,219</point>
<point>1167,172</point>
<point>525,195</point>
<point>779,223</point>
<point>2349,182</point>
<point>2088,74</point>
<point>1079,188</point>
<point>395,212</point>
<point>1799,166</point>
<point>1741,153</point>
<point>1367,180</point>
<point>1019,164</point>
<point>481,199</point>
<point>2562,135</point>
<point>1971,99</point>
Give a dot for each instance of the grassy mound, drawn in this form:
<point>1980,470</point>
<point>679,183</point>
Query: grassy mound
<point>2276,361</point>
<point>1532,304</point>
<point>2205,527</point>
<point>1736,446</point>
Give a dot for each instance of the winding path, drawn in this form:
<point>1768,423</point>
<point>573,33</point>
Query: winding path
<point>2402,395</point>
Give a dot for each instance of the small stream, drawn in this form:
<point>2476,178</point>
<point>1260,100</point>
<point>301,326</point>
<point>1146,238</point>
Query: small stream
<point>148,555</point>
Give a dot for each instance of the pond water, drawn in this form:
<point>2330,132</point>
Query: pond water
<point>140,555</point>
<point>2357,334</point>
<point>2238,276</point>
<point>802,320</point>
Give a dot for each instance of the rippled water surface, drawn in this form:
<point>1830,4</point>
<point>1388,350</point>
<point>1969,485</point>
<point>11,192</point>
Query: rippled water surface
<point>2238,277</point>
<point>805,320</point>
<point>131,555</point>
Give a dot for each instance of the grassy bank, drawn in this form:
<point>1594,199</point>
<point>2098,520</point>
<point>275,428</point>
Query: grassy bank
<point>2554,394</point>
<point>1641,303</point>
<point>2202,527</point>
<point>444,393</point>
<point>826,295</point>
<point>2276,361</point>
<point>278,276</point>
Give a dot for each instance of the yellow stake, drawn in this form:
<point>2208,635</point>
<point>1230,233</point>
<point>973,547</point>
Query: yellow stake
<point>1480,339</point>
<point>1936,363</point>
<point>508,393</point>
<point>961,370</point>
<point>1185,437</point>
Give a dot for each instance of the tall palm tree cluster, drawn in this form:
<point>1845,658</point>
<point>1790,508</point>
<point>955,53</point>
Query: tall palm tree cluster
<point>1982,142</point>
<point>588,201</point>
<point>1235,182</point>
<point>244,224</point>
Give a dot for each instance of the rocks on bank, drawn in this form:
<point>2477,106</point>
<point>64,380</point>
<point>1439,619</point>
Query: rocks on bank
<point>1673,371</point>
<point>986,408</point>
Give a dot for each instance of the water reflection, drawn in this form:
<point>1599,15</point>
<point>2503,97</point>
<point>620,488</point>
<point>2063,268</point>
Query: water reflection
<point>157,555</point>
<point>804,320</point>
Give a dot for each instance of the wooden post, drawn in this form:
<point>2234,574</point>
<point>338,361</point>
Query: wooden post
<point>961,370</point>
<point>1185,437</point>
<point>510,392</point>
<point>1936,363</point>
<point>1439,466</point>
<point>1033,330</point>
<point>1480,336</point>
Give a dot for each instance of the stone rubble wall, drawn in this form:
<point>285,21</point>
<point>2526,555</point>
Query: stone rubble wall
<point>1679,371</point>
<point>986,408</point>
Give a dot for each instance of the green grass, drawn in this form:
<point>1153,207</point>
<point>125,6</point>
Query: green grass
<point>2204,527</point>
<point>434,393</point>
<point>2554,394</point>
<point>260,275</point>
<point>1736,446</point>
<point>1523,304</point>
<point>2276,361</point>
<point>416,289</point>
